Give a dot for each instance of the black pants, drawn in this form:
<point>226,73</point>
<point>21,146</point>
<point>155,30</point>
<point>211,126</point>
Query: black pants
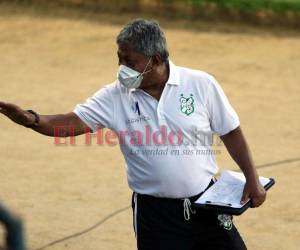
<point>159,224</point>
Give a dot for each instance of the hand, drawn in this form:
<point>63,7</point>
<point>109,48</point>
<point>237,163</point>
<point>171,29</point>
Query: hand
<point>16,114</point>
<point>255,191</point>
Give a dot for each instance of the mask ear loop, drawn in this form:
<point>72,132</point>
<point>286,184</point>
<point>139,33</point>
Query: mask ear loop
<point>144,72</point>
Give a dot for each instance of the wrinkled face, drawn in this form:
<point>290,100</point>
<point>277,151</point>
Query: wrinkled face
<point>128,57</point>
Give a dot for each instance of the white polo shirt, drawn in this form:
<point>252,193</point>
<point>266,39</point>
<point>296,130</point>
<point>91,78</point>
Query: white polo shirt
<point>165,143</point>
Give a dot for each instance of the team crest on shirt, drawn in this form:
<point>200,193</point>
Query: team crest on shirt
<point>225,221</point>
<point>187,104</point>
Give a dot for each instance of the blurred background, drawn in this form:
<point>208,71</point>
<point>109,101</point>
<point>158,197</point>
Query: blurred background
<point>54,54</point>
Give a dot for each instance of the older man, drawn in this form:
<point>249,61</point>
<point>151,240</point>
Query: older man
<point>158,109</point>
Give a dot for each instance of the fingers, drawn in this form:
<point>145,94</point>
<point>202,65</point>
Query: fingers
<point>259,199</point>
<point>257,196</point>
<point>3,111</point>
<point>5,105</point>
<point>245,196</point>
<point>256,202</point>
<point>2,106</point>
<point>8,108</point>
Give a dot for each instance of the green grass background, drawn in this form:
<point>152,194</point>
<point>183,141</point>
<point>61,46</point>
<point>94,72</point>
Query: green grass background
<point>275,13</point>
<point>249,5</point>
<point>241,5</point>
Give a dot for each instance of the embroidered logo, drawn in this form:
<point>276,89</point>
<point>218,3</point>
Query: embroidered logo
<point>187,104</point>
<point>225,221</point>
<point>136,108</point>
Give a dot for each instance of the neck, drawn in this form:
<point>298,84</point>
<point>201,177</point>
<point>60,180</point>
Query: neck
<point>156,87</point>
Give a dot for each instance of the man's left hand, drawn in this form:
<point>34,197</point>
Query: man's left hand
<point>254,191</point>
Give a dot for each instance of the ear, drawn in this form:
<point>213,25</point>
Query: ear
<point>156,60</point>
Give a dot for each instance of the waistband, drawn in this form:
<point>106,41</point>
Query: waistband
<point>191,198</point>
<point>196,197</point>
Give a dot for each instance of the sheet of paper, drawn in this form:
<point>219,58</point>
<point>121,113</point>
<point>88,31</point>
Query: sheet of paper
<point>228,190</point>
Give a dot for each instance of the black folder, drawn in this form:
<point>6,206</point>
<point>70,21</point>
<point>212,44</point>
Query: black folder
<point>226,208</point>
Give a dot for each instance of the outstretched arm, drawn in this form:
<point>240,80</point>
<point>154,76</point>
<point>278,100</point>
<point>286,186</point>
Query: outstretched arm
<point>69,123</point>
<point>237,147</point>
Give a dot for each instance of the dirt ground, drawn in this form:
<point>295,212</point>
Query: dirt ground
<point>50,64</point>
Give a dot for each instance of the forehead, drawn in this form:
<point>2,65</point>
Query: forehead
<point>127,50</point>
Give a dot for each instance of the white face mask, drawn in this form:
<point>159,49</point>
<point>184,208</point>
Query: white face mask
<point>131,78</point>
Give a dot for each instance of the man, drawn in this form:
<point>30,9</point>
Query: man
<point>14,230</point>
<point>153,97</point>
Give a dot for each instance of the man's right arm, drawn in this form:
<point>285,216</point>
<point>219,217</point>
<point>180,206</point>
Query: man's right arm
<point>61,125</point>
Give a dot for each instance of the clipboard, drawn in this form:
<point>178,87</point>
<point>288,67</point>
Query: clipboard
<point>227,208</point>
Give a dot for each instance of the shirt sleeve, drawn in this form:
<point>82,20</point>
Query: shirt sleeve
<point>223,117</point>
<point>97,111</point>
